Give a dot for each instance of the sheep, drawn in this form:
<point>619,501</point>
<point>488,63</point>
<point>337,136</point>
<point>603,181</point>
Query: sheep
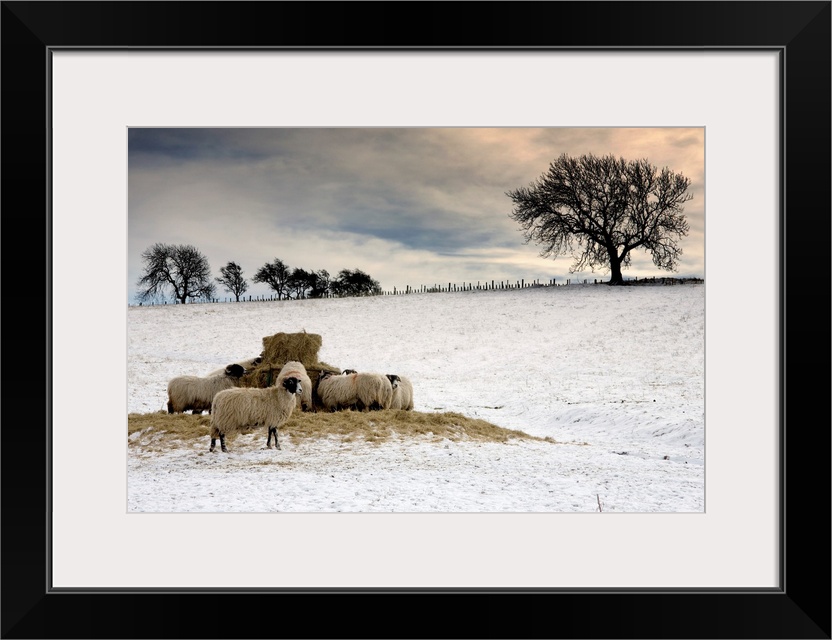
<point>363,391</point>
<point>333,391</point>
<point>375,391</point>
<point>402,392</point>
<point>248,365</point>
<point>196,394</point>
<point>295,368</point>
<point>236,409</point>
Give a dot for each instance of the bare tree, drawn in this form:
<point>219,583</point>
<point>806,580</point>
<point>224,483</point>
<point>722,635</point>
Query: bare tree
<point>600,209</point>
<point>275,274</point>
<point>232,279</point>
<point>180,268</point>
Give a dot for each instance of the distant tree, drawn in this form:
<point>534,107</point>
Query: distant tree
<point>232,279</point>
<point>276,275</point>
<point>321,285</point>
<point>600,209</point>
<point>355,283</point>
<point>335,288</point>
<point>300,282</point>
<point>180,268</point>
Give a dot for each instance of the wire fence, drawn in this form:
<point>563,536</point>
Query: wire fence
<point>480,285</point>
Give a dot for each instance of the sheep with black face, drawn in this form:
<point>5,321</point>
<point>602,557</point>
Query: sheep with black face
<point>248,365</point>
<point>241,408</point>
<point>196,394</point>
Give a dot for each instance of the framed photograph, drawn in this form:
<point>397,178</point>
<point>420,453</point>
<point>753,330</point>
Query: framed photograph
<point>754,77</point>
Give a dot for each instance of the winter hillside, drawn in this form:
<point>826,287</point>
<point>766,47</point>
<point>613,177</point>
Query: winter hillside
<point>613,376</point>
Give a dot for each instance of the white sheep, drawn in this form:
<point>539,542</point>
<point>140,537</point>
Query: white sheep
<point>237,409</point>
<point>363,391</point>
<point>294,368</point>
<point>402,392</point>
<point>196,394</point>
<point>335,392</point>
<point>248,365</point>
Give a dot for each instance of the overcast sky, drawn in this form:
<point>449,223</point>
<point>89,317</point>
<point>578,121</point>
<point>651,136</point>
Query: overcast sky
<point>409,206</point>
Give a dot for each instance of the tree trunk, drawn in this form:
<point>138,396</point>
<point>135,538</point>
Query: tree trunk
<point>615,271</point>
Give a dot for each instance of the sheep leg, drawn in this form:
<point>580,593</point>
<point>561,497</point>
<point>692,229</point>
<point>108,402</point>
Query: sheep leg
<point>272,430</point>
<point>222,443</point>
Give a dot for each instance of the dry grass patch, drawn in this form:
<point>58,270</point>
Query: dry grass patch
<point>349,426</point>
<point>184,426</point>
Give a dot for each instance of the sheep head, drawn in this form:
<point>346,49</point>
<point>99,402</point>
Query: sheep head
<point>234,371</point>
<point>394,379</point>
<point>292,385</point>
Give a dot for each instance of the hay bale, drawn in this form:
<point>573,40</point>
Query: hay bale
<point>261,376</point>
<point>282,347</point>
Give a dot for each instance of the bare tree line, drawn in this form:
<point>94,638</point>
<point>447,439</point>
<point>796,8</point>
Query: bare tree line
<point>183,272</point>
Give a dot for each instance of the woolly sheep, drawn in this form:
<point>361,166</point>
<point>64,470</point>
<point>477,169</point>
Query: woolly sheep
<point>236,409</point>
<point>402,392</point>
<point>195,394</point>
<point>364,391</point>
<point>294,368</point>
<point>248,365</point>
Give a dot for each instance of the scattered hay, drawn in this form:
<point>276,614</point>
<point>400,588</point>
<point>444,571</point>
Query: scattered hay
<point>181,425</point>
<point>379,426</point>
<point>164,427</point>
<point>349,426</point>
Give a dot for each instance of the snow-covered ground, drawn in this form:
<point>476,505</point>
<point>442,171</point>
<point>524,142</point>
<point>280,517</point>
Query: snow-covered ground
<point>615,375</point>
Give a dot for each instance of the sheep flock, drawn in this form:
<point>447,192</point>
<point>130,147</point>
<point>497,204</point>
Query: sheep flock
<point>265,390</point>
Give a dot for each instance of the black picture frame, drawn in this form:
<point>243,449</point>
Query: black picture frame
<point>799,608</point>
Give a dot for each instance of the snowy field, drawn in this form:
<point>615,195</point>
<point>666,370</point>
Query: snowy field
<point>615,375</point>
